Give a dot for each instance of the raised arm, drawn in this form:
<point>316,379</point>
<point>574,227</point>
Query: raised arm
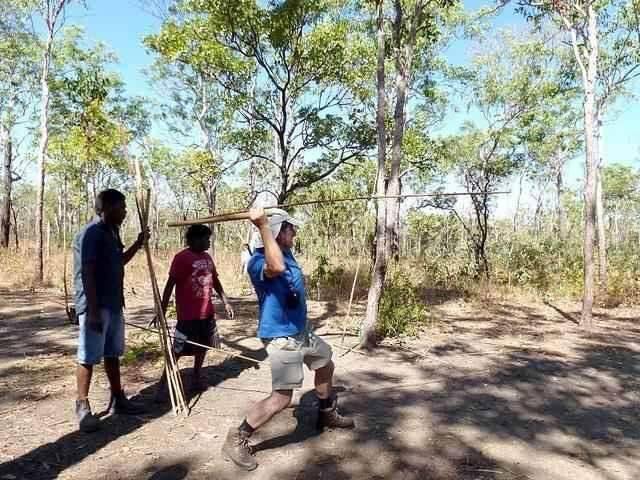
<point>274,260</point>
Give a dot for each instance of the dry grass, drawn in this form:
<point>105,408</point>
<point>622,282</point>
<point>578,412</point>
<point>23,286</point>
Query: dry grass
<point>17,269</point>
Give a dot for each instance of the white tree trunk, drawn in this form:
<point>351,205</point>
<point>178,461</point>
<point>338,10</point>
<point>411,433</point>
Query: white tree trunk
<point>42,157</point>
<point>602,237</point>
<point>600,215</point>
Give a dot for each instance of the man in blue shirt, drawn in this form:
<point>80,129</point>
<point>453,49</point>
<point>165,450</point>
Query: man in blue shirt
<point>99,260</point>
<point>288,339</point>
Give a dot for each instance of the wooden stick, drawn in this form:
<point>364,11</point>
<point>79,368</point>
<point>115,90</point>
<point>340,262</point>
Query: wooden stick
<point>174,380</point>
<point>230,216</point>
<point>347,351</point>
<point>213,349</point>
<point>353,291</point>
<point>223,217</point>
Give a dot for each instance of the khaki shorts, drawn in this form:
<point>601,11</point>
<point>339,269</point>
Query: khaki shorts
<point>287,354</point>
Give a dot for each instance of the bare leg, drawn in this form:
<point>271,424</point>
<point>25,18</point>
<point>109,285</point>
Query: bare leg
<point>86,420</point>
<point>324,380</point>
<point>83,380</point>
<point>198,361</point>
<point>112,368</point>
<point>266,409</point>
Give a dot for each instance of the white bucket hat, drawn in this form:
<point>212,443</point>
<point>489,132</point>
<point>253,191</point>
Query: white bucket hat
<point>276,217</point>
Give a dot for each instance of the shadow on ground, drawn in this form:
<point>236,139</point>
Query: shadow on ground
<point>525,414</point>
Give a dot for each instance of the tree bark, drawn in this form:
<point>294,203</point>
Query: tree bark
<point>15,227</point>
<point>561,224</point>
<point>616,228</point>
<point>479,238</point>
<point>65,202</point>
<point>518,200</point>
<point>590,131</point>
<point>51,16</point>
<point>404,56</point>
<point>212,197</point>
<point>5,211</point>
<point>600,220</point>
<point>368,337</point>
<point>48,240</point>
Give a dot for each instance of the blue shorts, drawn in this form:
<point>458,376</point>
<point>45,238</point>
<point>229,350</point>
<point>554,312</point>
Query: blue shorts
<point>92,345</point>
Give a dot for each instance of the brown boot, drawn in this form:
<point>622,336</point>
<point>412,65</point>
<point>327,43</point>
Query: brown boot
<point>236,448</point>
<point>331,418</point>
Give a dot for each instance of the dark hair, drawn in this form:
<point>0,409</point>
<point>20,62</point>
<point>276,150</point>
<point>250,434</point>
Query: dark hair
<point>286,225</point>
<point>197,231</point>
<point>108,198</point>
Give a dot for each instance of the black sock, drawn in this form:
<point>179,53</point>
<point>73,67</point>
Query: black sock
<point>325,403</point>
<point>246,428</point>
<point>117,394</point>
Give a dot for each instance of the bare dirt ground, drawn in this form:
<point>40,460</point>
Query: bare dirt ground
<point>500,390</point>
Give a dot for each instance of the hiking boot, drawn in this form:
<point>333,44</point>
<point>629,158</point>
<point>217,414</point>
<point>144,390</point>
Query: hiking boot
<point>121,405</point>
<point>237,449</point>
<point>331,418</point>
<point>87,421</point>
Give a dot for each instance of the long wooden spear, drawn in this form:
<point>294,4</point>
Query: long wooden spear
<point>244,214</point>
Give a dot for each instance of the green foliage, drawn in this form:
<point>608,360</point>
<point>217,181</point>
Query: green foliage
<point>328,225</point>
<point>435,240</point>
<point>620,183</point>
<point>624,277</point>
<point>142,349</point>
<point>89,116</point>
<point>19,62</point>
<point>278,97</point>
<point>402,310</point>
<point>268,62</point>
<point>528,263</point>
<point>326,276</point>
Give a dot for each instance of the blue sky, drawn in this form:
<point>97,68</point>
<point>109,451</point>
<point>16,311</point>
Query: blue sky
<point>122,24</point>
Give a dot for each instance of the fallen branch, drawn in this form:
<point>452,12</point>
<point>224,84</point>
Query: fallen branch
<point>349,350</point>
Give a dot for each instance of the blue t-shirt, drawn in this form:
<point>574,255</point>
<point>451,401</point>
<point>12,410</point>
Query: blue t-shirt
<point>277,318</point>
<point>99,243</point>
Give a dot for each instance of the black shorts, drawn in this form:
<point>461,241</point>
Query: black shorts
<point>198,331</point>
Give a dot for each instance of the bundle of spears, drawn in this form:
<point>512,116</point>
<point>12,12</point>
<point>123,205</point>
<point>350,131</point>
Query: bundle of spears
<point>174,381</point>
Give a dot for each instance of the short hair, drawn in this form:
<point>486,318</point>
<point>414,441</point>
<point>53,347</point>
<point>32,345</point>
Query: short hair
<point>197,231</point>
<point>286,225</point>
<point>108,198</point>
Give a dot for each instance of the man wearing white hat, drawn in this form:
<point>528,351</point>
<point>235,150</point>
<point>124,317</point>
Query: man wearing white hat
<point>290,343</point>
